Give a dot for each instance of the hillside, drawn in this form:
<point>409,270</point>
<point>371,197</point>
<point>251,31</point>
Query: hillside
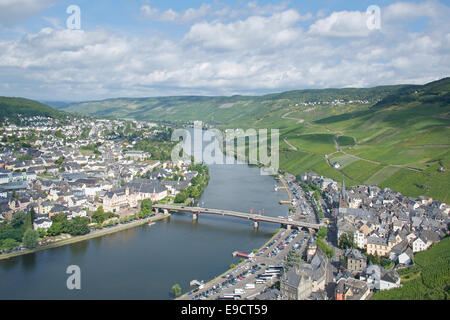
<point>400,143</point>
<point>428,279</point>
<point>11,107</point>
<point>219,110</point>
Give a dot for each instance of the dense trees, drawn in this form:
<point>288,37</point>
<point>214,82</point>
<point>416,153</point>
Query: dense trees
<point>30,239</point>
<point>99,216</point>
<point>8,244</point>
<point>11,234</point>
<point>346,241</point>
<point>77,226</point>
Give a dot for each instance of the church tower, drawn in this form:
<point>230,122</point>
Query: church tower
<point>343,197</point>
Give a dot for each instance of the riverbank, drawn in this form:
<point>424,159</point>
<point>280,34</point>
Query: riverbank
<point>276,234</point>
<point>88,236</point>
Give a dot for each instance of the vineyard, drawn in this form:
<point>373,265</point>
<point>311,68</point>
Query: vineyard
<point>427,279</point>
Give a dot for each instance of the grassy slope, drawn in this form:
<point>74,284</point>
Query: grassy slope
<point>399,146</point>
<point>428,279</point>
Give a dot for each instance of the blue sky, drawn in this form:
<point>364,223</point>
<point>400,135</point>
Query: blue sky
<point>140,48</point>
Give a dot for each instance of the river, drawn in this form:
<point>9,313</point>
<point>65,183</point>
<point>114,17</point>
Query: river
<point>145,262</point>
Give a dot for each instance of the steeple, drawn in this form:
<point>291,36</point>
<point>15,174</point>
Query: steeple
<point>343,192</point>
<point>343,201</point>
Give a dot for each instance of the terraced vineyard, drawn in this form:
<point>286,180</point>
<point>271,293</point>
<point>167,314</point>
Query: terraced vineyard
<point>404,146</point>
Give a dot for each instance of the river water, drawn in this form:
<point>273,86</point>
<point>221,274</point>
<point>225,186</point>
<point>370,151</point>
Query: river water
<point>145,262</point>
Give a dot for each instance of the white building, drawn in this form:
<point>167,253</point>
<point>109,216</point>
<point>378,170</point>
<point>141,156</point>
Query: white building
<point>42,224</point>
<point>420,244</point>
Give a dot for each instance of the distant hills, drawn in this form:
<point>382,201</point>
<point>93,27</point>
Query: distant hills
<point>11,107</point>
<point>219,110</point>
<point>391,136</point>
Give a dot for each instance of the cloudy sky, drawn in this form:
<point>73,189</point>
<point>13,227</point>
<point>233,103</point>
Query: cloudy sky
<point>142,48</point>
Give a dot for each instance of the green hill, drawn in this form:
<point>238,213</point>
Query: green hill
<point>219,110</point>
<point>427,279</point>
<point>401,143</point>
<point>11,107</point>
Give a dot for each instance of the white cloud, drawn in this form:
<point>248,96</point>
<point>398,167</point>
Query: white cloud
<point>254,32</point>
<point>259,53</point>
<point>169,15</point>
<point>342,24</point>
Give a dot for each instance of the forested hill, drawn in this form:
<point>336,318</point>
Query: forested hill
<point>430,93</point>
<point>12,107</point>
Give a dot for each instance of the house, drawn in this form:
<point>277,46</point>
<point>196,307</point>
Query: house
<point>406,257</point>
<point>389,279</point>
<point>379,246</point>
<point>175,187</point>
<point>351,289</point>
<point>420,244</point>
<point>355,261</point>
<point>360,235</point>
<point>136,154</point>
<point>42,223</point>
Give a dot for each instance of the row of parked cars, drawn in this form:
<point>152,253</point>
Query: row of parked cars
<point>230,280</point>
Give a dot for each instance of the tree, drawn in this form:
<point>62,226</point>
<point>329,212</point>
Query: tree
<point>60,217</point>
<point>346,241</point>
<point>79,226</point>
<point>55,229</point>
<point>9,244</point>
<point>180,197</point>
<point>176,290</point>
<point>322,233</point>
<point>30,239</point>
<point>146,206</point>
<point>18,219</point>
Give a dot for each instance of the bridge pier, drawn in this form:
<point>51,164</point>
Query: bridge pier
<point>256,224</point>
<point>166,211</point>
<point>156,210</point>
<point>289,227</point>
<point>195,216</point>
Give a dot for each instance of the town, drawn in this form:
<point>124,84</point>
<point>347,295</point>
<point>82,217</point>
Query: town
<point>372,235</point>
<point>70,178</point>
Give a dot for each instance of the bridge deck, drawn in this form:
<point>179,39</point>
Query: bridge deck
<point>248,216</point>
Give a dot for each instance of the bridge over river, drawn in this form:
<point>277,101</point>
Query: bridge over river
<point>256,218</point>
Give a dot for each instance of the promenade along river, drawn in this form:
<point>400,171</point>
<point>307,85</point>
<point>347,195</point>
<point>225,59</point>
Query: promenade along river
<point>144,262</point>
